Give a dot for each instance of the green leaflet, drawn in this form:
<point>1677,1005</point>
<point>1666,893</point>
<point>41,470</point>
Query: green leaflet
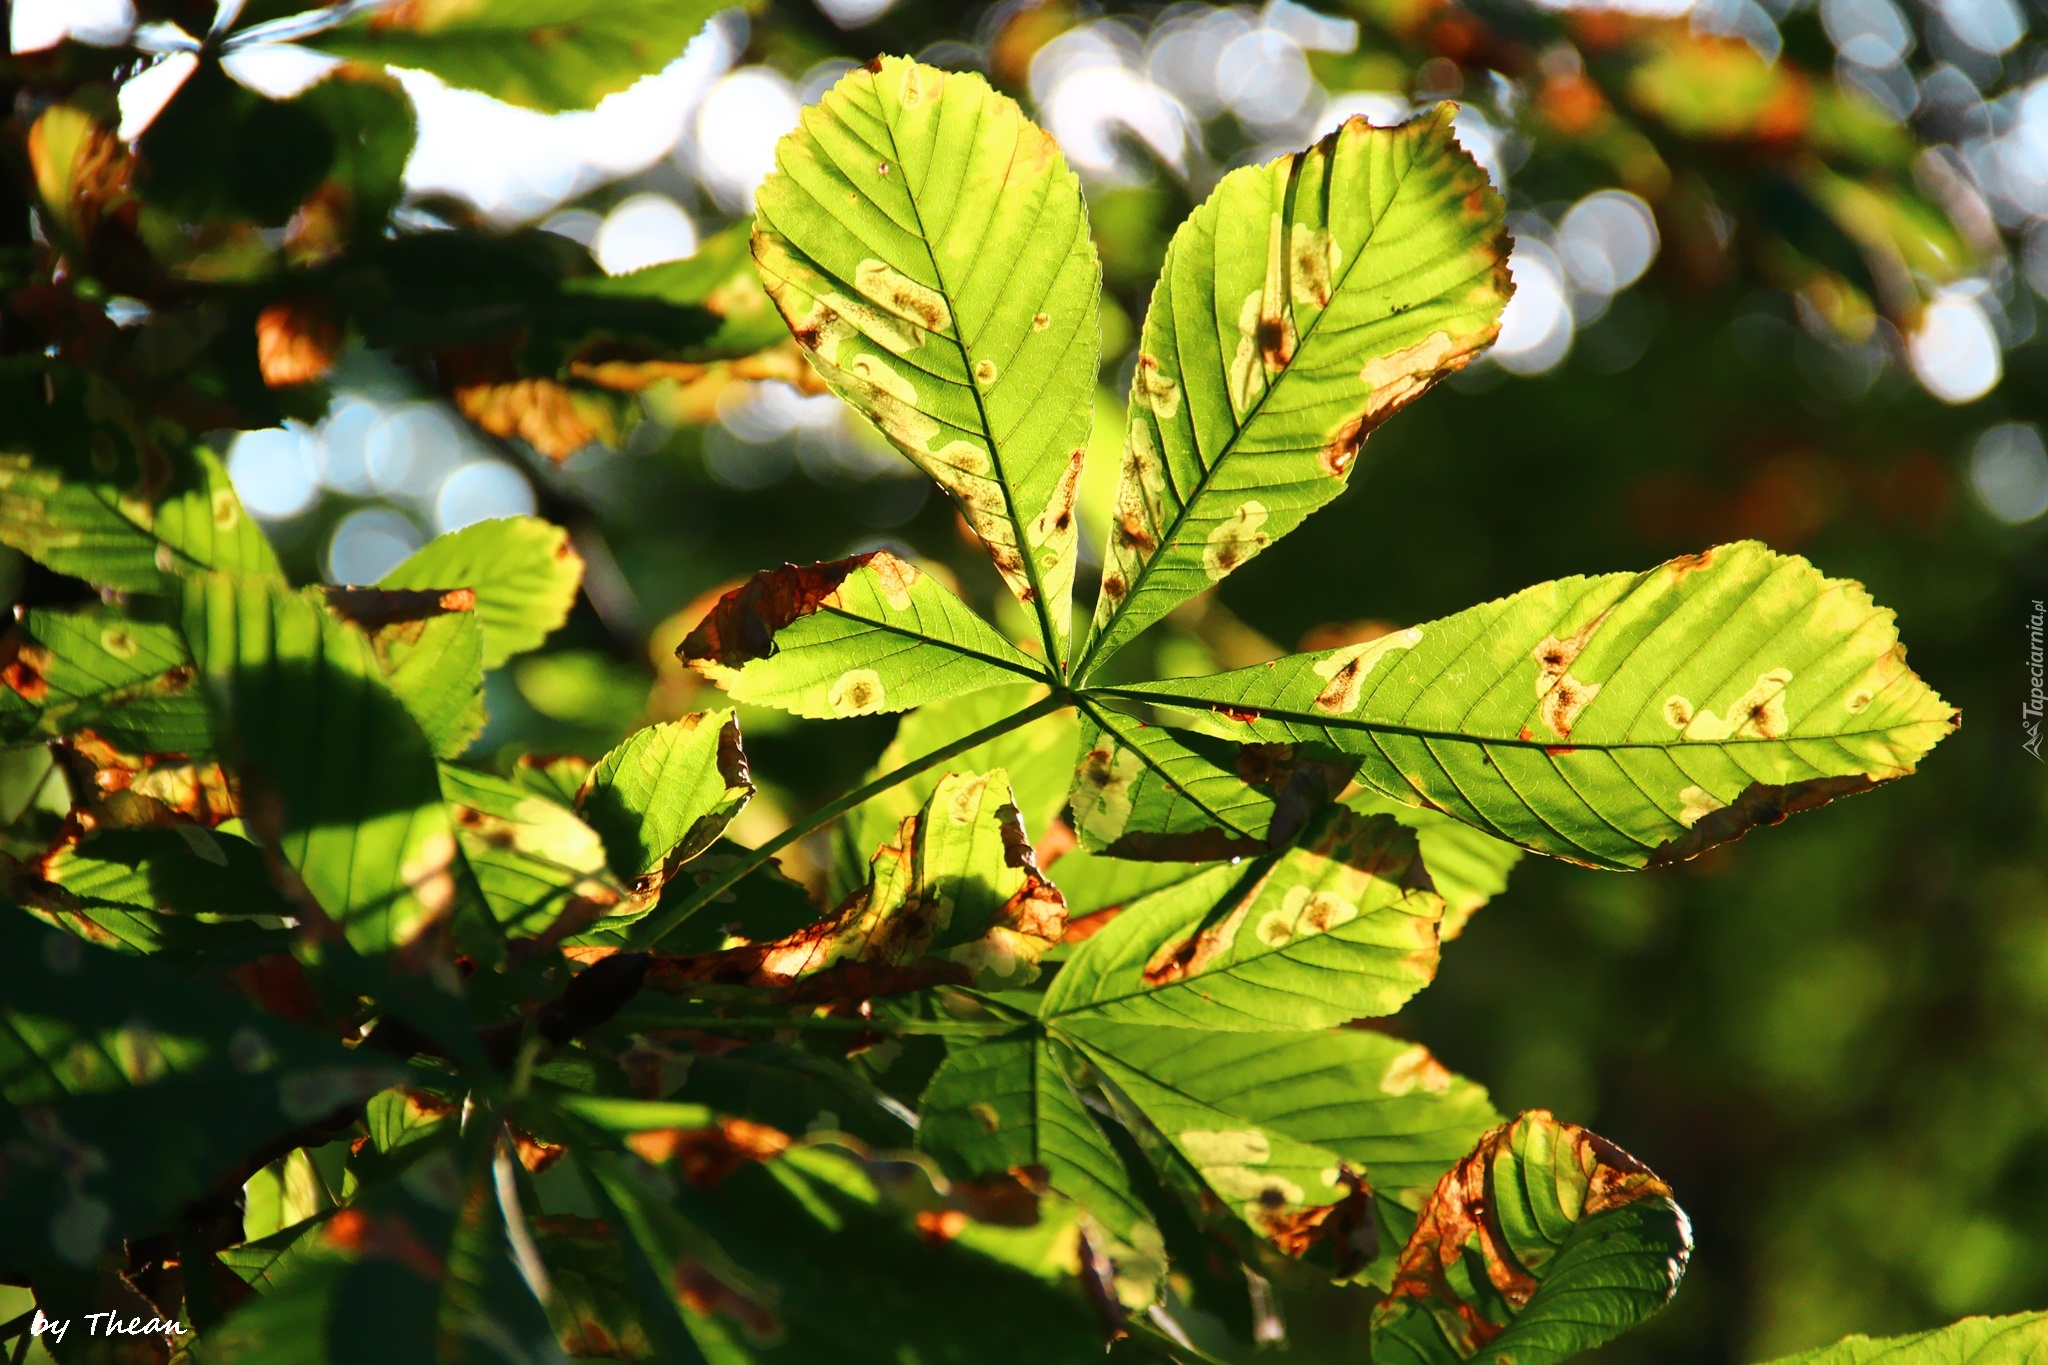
<point>523,570</point>
<point>1545,1241</point>
<point>1091,882</point>
<point>929,248</point>
<point>124,508</point>
<point>1147,792</point>
<point>1468,868</point>
<point>430,645</point>
<point>1628,720</point>
<point>718,278</point>
<point>998,1104</point>
<point>1038,757</point>
<point>184,870</point>
<point>1304,303</point>
<point>849,638</point>
<point>416,1271</point>
<point>336,773</point>
<point>104,669</point>
<point>544,54</point>
<point>533,858</point>
<point>2016,1340</point>
<point>1340,926</point>
<point>958,890</point>
<point>663,795</point>
<point>90,1040</point>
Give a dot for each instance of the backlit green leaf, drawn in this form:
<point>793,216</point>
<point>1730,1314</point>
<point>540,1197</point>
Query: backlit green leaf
<point>1307,301</point>
<point>86,491</point>
<point>849,638</point>
<point>1341,926</point>
<point>523,570</point>
<point>1545,1241</point>
<point>661,797</point>
<point>1628,720</point>
<point>1467,868</point>
<point>544,54</point>
<point>335,771</point>
<point>129,680</point>
<point>534,859</point>
<point>431,647</point>
<point>2017,1340</point>
<point>929,248</point>
<point>1038,757</point>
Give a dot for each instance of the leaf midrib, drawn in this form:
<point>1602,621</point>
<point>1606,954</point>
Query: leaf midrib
<point>1211,706</point>
<point>988,431</point>
<point>1172,532</point>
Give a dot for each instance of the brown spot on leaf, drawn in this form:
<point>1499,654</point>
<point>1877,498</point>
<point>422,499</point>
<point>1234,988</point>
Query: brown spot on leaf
<point>1560,697</point>
<point>1759,804</point>
<point>386,1237</point>
<point>25,667</point>
<point>705,1156</point>
<point>373,609</point>
<point>1344,1232</point>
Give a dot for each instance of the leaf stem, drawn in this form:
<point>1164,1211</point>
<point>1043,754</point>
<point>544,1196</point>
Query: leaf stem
<point>664,920</point>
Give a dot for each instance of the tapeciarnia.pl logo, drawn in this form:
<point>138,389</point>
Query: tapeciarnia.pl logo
<point>2037,699</point>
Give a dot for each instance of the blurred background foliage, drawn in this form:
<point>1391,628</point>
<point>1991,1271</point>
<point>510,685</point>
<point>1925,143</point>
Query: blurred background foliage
<point>1781,267</point>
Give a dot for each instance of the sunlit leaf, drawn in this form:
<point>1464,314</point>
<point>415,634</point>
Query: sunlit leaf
<point>1147,792</point>
<point>1467,868</point>
<point>2016,1340</point>
<point>849,638</point>
<point>100,668</point>
<point>956,896</point>
<point>1340,926</point>
<point>523,570</point>
<point>123,507</point>
<point>1545,1241</point>
<point>661,797</point>
<point>1628,720</point>
<point>340,779</point>
<point>431,647</point>
<point>930,250</point>
<point>1003,1104</point>
<point>544,54</point>
<point>1037,757</point>
<point>1307,301</point>
<point>534,859</point>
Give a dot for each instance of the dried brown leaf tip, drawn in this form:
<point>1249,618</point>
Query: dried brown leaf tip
<point>1519,1209</point>
<point>296,342</point>
<point>705,1156</point>
<point>743,625</point>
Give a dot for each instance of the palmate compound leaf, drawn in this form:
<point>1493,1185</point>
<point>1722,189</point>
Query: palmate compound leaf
<point>417,1270</point>
<point>1626,720</point>
<point>92,1041</point>
<point>1308,300</point>
<point>523,571</point>
<point>2021,1339</point>
<point>549,55</point>
<point>336,775</point>
<point>929,248</point>
<point>853,637</point>
<point>1544,1242</point>
<point>664,794</point>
